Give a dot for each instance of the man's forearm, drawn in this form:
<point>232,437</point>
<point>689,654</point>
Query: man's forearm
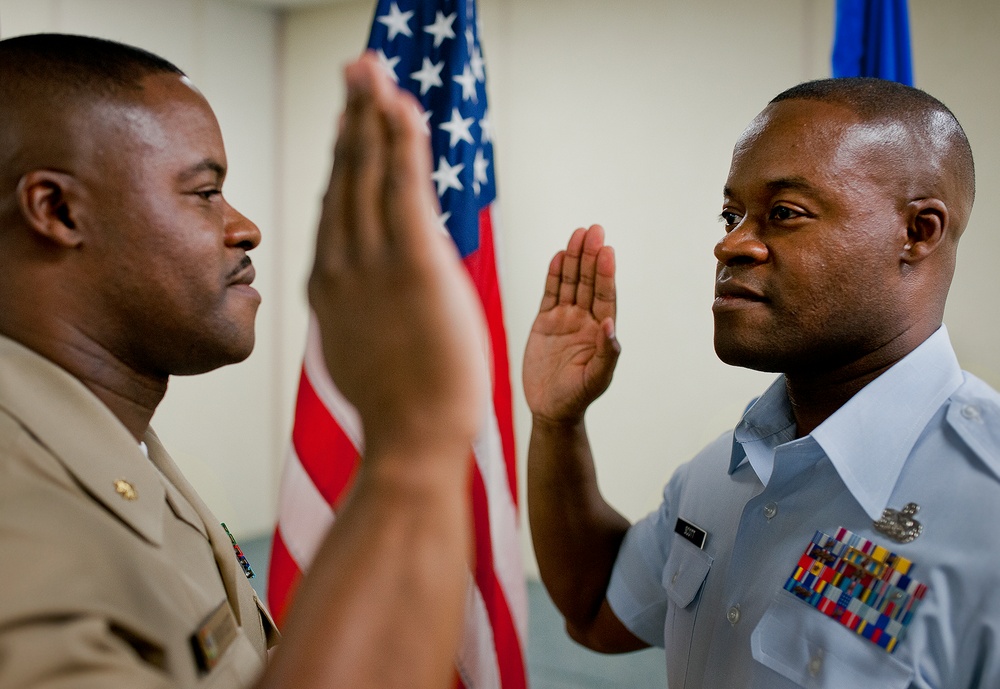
<point>576,533</point>
<point>382,604</point>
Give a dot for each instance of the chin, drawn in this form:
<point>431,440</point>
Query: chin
<point>211,356</point>
<point>754,358</point>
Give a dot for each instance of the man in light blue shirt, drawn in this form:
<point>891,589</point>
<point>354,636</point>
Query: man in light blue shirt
<point>844,534</point>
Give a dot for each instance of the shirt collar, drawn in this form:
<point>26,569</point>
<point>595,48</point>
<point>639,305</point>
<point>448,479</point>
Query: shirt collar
<point>767,423</point>
<point>866,440</point>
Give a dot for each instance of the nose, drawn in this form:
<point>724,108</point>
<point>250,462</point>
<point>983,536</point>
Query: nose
<point>240,230</point>
<point>741,245</point>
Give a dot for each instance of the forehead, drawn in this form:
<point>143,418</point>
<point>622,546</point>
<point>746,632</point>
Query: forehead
<point>167,124</point>
<point>823,144</point>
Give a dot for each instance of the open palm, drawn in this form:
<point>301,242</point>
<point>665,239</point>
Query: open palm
<point>571,351</point>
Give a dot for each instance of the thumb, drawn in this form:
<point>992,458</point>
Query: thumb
<point>602,367</point>
<point>608,346</point>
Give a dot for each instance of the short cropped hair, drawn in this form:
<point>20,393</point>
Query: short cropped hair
<point>65,65</point>
<point>881,100</point>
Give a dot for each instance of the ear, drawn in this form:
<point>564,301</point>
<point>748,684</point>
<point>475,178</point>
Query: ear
<point>926,228</point>
<point>47,199</point>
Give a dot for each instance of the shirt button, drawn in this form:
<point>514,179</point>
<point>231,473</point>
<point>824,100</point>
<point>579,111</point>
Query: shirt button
<point>971,413</point>
<point>733,615</point>
<point>815,664</point>
<point>770,509</point>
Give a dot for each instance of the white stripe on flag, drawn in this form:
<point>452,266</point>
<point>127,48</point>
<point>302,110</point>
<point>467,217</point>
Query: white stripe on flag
<point>304,516</point>
<point>503,522</point>
<point>476,660</point>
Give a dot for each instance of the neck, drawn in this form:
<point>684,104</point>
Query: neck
<point>131,396</point>
<point>816,395</point>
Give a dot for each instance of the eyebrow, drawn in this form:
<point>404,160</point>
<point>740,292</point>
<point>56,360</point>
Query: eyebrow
<point>795,183</point>
<point>206,165</point>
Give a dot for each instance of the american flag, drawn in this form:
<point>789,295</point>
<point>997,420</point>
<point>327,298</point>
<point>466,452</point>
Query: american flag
<point>431,48</point>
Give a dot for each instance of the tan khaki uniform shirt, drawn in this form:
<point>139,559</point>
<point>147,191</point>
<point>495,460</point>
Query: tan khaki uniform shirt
<point>113,573</point>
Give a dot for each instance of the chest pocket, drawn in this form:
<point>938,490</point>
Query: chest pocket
<point>684,576</point>
<point>811,650</point>
<point>685,572</point>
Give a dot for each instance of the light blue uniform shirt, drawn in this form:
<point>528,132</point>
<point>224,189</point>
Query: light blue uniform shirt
<point>923,432</point>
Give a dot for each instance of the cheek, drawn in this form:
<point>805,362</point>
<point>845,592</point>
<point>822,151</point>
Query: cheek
<point>854,287</point>
<point>824,284</point>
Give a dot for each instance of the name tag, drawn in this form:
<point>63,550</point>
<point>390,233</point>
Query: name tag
<point>690,532</point>
<point>213,637</point>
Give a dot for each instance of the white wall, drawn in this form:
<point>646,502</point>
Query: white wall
<point>622,113</point>
<point>220,427</point>
<point>625,113</point>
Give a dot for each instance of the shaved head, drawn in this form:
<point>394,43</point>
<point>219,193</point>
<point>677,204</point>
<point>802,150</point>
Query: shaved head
<point>63,65</point>
<point>920,137</point>
<point>50,85</point>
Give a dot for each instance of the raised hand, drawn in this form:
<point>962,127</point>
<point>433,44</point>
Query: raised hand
<point>572,350</point>
<point>402,332</point>
<point>401,328</point>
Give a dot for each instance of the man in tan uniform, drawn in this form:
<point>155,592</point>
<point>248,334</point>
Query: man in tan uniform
<point>121,264</point>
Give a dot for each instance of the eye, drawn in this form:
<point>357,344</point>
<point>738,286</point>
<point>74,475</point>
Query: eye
<point>729,218</point>
<point>208,194</point>
<point>783,213</point>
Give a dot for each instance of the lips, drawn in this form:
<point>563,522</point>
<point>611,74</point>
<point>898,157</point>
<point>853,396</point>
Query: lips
<point>244,273</point>
<point>733,295</point>
<point>729,290</point>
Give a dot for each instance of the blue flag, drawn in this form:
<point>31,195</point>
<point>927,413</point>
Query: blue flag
<point>873,40</point>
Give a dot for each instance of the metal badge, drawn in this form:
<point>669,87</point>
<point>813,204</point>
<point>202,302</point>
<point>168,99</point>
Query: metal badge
<point>126,490</point>
<point>900,525</point>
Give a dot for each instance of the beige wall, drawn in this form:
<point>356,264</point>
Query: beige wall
<point>219,427</point>
<point>622,113</point>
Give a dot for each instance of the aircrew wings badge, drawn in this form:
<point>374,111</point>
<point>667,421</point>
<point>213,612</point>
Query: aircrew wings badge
<point>860,584</point>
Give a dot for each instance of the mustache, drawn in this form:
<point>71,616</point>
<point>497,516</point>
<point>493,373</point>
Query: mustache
<point>244,263</point>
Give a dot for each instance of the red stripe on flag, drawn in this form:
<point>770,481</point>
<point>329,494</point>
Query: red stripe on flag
<point>283,577</point>
<point>482,267</point>
<point>325,452</point>
<point>505,639</point>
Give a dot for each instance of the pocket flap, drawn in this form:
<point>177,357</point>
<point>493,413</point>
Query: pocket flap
<point>685,572</point>
<point>805,646</point>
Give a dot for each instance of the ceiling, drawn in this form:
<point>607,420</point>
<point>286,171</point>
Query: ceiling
<point>288,3</point>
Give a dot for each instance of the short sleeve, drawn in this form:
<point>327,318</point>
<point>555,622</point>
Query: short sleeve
<point>635,592</point>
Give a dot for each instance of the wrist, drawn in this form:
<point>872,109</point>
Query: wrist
<point>570,424</point>
<point>417,468</point>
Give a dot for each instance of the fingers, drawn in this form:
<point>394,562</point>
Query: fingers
<point>571,267</point>
<point>363,147</point>
<point>411,204</point>
<point>605,294</point>
<point>593,242</point>
<point>381,170</point>
<point>552,281</point>
<point>583,274</point>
